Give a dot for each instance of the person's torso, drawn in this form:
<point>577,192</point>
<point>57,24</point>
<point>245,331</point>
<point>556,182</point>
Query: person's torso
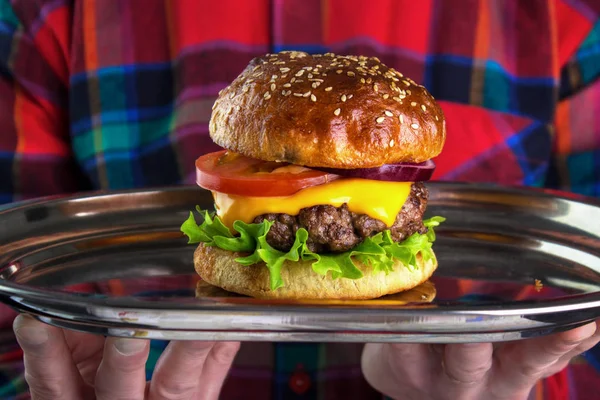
<point>143,79</point>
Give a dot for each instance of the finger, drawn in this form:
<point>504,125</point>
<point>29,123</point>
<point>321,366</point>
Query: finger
<point>216,369</point>
<point>397,369</point>
<point>86,351</point>
<point>44,346</point>
<point>122,374</point>
<point>180,370</point>
<point>523,363</point>
<point>564,361</point>
<point>467,365</point>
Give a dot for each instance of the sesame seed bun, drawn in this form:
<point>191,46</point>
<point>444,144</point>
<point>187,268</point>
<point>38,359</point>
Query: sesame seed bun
<point>219,268</point>
<point>327,111</point>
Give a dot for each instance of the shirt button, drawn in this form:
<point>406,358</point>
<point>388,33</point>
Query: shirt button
<point>299,381</point>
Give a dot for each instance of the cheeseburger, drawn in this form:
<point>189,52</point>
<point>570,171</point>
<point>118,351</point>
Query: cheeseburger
<point>319,190</point>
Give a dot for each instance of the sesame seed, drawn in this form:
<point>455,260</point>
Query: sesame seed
<point>350,96</point>
<point>369,80</point>
<point>436,118</point>
<point>401,118</point>
<point>315,85</point>
<point>232,95</point>
<point>299,80</point>
<point>380,120</point>
<point>362,80</point>
<point>272,87</point>
<point>350,73</point>
<point>267,95</point>
<point>413,103</point>
<point>273,77</point>
<point>284,69</point>
<point>300,73</point>
<point>245,89</point>
<point>319,66</point>
<point>337,111</point>
<point>409,92</point>
<point>344,97</point>
<point>376,88</point>
<point>385,96</point>
<point>313,97</point>
<point>293,80</point>
<point>306,94</point>
<point>287,85</point>
<point>392,143</point>
<point>339,71</point>
<point>414,126</point>
<point>310,76</point>
<point>423,107</point>
<point>328,89</point>
<point>298,94</point>
<point>255,68</point>
<point>398,99</point>
<point>388,113</point>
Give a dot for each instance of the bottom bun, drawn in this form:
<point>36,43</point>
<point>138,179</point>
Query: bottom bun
<point>218,267</point>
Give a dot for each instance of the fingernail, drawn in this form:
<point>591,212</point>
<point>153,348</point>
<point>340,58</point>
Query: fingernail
<point>586,331</point>
<point>128,347</point>
<point>32,336</point>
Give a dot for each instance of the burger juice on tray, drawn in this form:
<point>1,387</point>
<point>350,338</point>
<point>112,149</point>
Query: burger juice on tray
<point>319,193</point>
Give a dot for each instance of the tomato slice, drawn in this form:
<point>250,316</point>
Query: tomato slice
<point>232,173</point>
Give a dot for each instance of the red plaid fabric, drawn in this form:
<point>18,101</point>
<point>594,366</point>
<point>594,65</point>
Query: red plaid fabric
<point>111,94</point>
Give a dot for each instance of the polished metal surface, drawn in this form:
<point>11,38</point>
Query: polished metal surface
<point>513,263</point>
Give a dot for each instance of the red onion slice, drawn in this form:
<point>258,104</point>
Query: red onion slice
<point>400,172</point>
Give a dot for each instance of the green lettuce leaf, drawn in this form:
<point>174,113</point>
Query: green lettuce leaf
<point>378,251</point>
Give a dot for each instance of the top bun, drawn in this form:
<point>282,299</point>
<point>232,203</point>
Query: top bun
<point>327,111</point>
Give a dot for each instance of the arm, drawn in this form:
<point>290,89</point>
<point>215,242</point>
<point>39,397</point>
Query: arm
<point>35,155</point>
<point>576,152</point>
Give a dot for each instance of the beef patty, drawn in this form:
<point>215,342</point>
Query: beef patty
<point>337,229</point>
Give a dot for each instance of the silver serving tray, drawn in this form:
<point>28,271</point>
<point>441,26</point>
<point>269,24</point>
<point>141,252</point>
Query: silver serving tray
<point>494,245</point>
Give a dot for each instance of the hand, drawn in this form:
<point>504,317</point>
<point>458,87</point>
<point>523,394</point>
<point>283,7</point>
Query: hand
<point>472,371</point>
<point>69,365</point>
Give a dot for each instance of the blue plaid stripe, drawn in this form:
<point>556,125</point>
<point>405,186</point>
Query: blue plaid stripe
<point>532,148</point>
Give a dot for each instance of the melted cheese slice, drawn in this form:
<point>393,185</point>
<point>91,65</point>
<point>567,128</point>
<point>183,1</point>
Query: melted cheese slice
<point>377,199</point>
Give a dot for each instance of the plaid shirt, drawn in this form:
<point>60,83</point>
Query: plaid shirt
<point>111,94</point>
